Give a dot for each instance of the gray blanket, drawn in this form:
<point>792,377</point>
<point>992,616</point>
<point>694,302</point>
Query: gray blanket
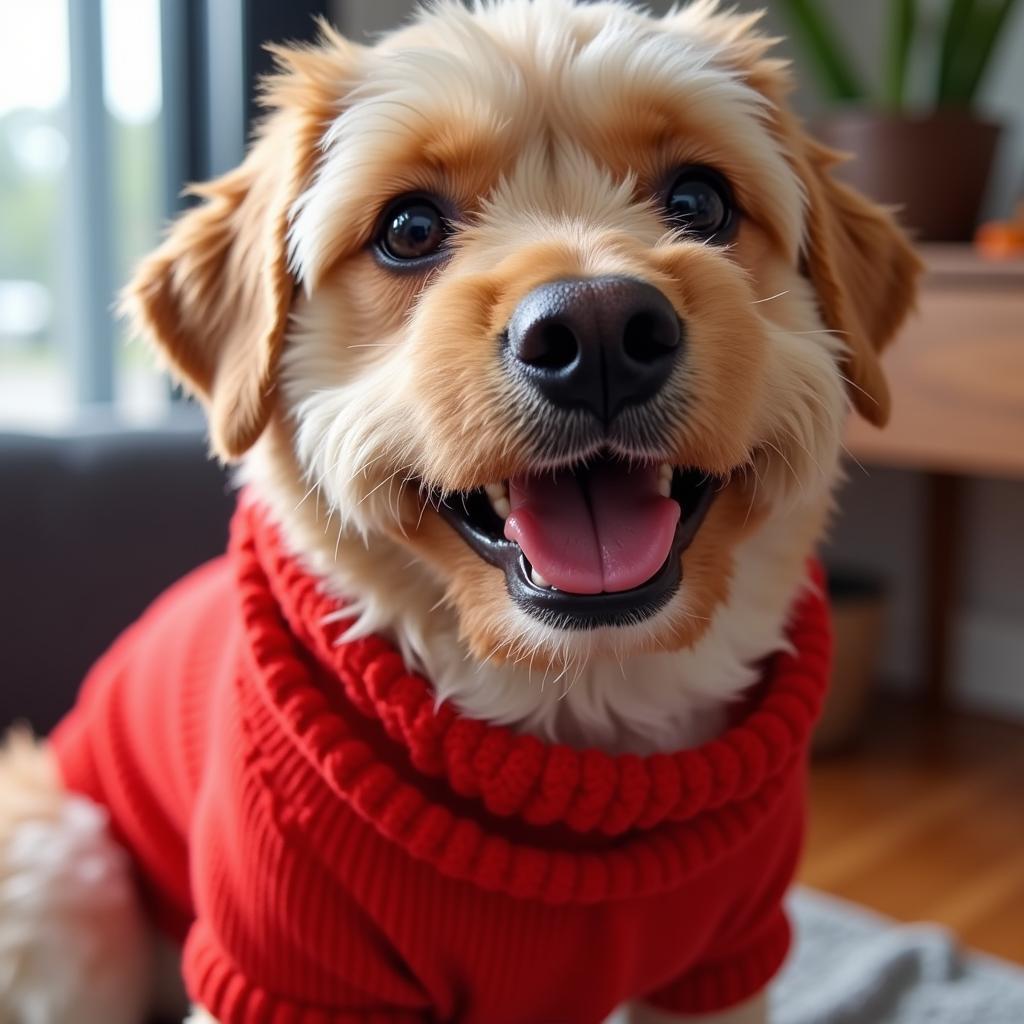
<point>853,967</point>
<point>850,966</point>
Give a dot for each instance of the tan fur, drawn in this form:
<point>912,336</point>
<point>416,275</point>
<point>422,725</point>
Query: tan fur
<point>552,153</point>
<point>561,203</point>
<point>864,271</point>
<point>29,784</point>
<point>861,264</point>
<point>350,396</point>
<point>215,296</point>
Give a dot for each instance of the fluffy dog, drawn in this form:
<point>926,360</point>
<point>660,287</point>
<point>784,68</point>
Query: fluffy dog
<point>532,330</point>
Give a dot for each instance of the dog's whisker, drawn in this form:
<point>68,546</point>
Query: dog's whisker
<point>853,458</point>
<point>362,466</point>
<point>791,434</point>
<point>871,398</point>
<point>387,480</point>
<point>498,647</point>
<point>770,298</point>
<point>302,500</point>
<point>622,667</point>
<point>822,330</point>
<point>424,505</point>
<point>753,496</point>
<point>781,454</point>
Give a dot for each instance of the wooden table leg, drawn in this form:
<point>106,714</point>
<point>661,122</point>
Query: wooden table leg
<point>942,583</point>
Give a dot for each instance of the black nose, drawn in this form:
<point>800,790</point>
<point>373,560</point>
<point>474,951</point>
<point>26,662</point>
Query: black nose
<point>599,343</point>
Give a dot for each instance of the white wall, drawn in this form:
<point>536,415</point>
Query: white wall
<point>864,31</point>
<point>881,514</point>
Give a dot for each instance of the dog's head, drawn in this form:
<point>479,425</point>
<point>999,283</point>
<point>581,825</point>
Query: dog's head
<point>561,299</point>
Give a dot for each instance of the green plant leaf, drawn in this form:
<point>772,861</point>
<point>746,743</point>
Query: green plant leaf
<point>835,71</point>
<point>958,19</point>
<point>901,36</point>
<point>984,33</point>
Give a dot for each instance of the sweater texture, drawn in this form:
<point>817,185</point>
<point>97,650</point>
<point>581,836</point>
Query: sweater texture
<point>334,848</point>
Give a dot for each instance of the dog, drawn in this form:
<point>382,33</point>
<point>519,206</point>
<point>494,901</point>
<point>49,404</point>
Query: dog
<point>531,330</point>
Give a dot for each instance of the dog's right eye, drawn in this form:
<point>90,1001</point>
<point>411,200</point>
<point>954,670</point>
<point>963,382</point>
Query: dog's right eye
<point>700,202</point>
<point>412,229</point>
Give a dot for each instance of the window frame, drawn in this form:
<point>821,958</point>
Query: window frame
<point>212,55</point>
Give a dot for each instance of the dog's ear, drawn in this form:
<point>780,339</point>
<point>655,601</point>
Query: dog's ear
<point>863,270</point>
<point>214,298</point>
<point>860,263</point>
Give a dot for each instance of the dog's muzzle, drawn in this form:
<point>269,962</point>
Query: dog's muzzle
<point>599,344</point>
<point>594,536</point>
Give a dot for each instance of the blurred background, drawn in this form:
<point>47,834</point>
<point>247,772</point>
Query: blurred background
<point>108,106</point>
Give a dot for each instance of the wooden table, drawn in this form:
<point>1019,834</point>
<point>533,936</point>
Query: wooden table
<point>957,377</point>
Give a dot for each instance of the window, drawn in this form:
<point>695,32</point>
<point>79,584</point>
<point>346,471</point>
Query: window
<point>80,199</point>
<point>106,108</point>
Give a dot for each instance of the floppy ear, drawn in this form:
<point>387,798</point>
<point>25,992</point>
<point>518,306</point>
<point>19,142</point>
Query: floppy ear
<point>859,261</point>
<point>864,272</point>
<point>214,297</point>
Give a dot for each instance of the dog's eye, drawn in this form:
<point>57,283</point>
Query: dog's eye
<point>700,202</point>
<point>412,229</point>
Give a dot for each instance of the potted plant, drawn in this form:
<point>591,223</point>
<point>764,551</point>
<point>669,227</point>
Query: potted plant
<point>934,163</point>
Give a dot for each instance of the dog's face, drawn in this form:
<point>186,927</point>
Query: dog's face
<point>560,299</point>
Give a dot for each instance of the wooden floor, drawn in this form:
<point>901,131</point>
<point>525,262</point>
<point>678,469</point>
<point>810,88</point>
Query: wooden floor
<point>925,820</point>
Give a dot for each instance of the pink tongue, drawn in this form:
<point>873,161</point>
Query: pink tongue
<point>607,530</point>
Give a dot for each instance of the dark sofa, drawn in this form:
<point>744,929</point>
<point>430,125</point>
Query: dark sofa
<point>94,523</point>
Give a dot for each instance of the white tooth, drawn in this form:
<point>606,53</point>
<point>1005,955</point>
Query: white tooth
<point>538,580</point>
<point>665,486</point>
<point>665,471</point>
<point>497,494</point>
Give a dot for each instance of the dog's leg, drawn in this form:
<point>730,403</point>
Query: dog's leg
<point>73,943</point>
<point>754,1011</point>
<point>199,1016</point>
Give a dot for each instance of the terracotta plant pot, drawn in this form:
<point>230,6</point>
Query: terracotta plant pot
<point>858,612</point>
<point>935,168</point>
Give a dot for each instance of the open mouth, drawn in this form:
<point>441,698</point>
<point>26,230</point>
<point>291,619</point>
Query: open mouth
<point>591,545</point>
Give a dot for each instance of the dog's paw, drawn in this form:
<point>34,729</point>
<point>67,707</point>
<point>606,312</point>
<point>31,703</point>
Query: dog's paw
<point>73,944</point>
<point>199,1016</point>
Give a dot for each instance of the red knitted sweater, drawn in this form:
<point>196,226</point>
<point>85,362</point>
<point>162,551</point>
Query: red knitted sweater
<point>333,848</point>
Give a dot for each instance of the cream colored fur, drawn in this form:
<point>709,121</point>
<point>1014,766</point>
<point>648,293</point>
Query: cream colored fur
<point>604,693</point>
<point>199,1016</point>
<point>638,703</point>
<point>74,948</point>
<point>320,375</point>
<point>342,430</point>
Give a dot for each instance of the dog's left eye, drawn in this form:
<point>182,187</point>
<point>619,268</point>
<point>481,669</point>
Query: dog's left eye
<point>700,202</point>
<point>412,229</point>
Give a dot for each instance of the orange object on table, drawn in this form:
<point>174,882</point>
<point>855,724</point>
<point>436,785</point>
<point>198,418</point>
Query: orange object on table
<point>1002,239</point>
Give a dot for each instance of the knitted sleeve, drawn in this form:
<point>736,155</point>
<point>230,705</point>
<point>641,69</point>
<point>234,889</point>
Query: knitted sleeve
<point>723,980</point>
<point>279,936</point>
<point>752,939</point>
